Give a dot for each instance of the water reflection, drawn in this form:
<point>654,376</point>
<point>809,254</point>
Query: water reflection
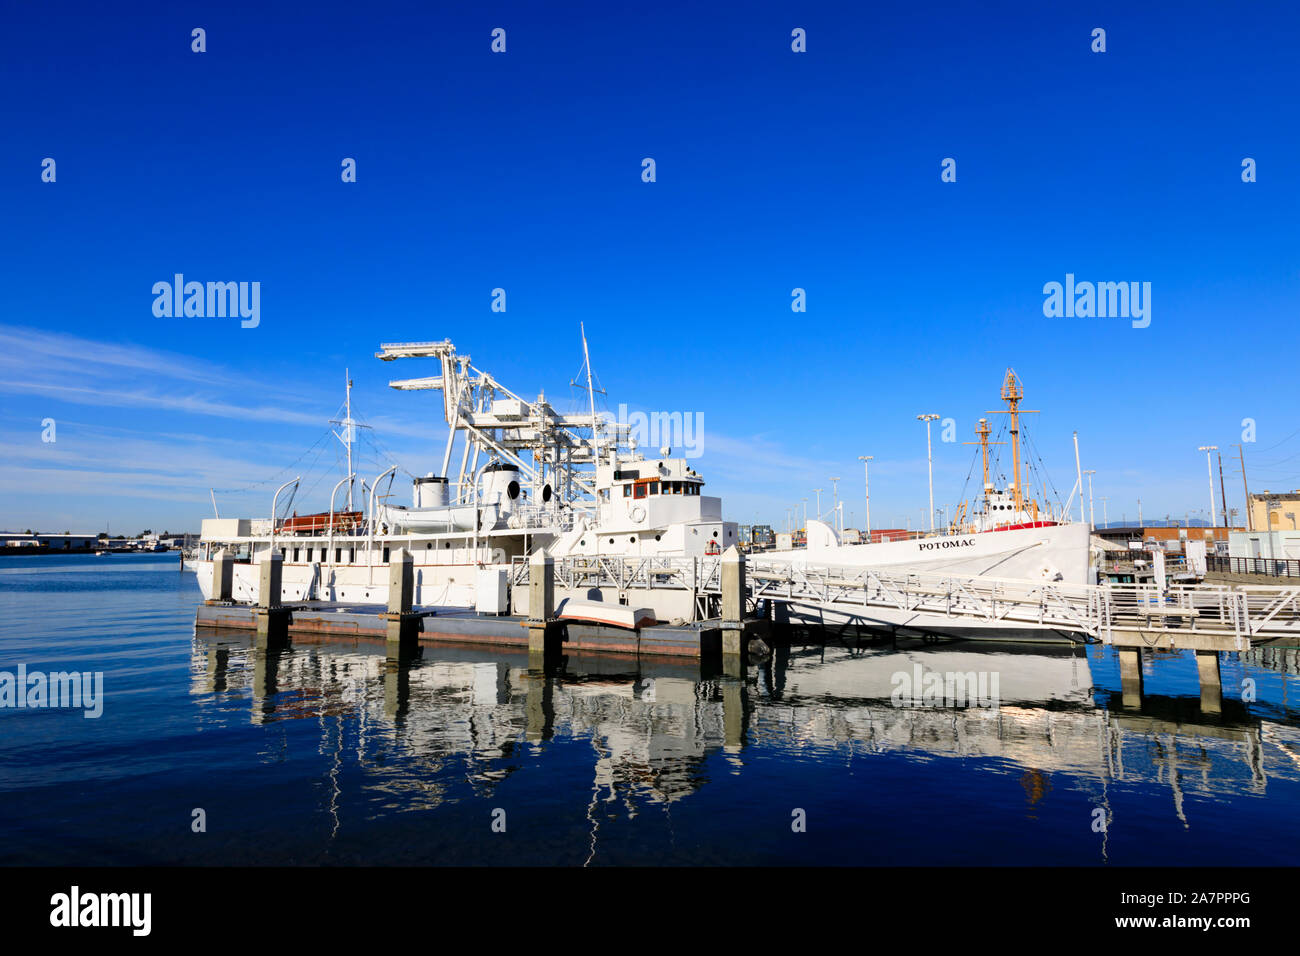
<point>1062,720</point>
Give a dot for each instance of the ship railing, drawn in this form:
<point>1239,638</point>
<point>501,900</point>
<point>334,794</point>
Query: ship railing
<point>629,572</point>
<point>541,516</point>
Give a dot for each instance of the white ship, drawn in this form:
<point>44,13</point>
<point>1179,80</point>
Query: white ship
<point>1010,537</point>
<point>531,477</point>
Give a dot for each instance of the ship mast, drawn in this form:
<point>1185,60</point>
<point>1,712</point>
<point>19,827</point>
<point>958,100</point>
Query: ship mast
<point>1013,393</point>
<point>349,431</point>
<point>591,392</point>
<point>982,432</point>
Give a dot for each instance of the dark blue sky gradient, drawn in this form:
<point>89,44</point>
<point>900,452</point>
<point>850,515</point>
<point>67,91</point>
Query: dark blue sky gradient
<point>775,170</point>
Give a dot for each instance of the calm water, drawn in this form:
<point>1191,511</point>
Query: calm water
<point>323,753</point>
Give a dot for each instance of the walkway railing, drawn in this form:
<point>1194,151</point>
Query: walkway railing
<point>1270,567</point>
<point>1243,612</point>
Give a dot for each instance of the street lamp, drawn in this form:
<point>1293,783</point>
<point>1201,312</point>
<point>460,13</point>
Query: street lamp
<point>819,503</point>
<point>929,456</point>
<point>835,501</point>
<point>1105,517</point>
<point>866,488</point>
<point>1209,470</point>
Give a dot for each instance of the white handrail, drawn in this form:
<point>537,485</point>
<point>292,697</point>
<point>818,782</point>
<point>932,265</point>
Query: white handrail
<point>370,526</point>
<point>330,546</point>
<point>274,502</point>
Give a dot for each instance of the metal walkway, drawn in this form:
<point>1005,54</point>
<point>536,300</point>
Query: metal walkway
<point>1239,614</point>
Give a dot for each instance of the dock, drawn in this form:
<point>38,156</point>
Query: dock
<point>728,602</point>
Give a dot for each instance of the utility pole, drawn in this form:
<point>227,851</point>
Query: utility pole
<point>1092,511</point>
<point>1250,512</point>
<point>866,487</point>
<point>1104,516</point>
<point>929,457</point>
<point>1209,472</point>
<point>835,502</point>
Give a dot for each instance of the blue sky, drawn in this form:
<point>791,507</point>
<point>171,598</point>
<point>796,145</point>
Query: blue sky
<point>522,170</point>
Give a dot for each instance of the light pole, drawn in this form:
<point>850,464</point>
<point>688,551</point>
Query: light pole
<point>819,503</point>
<point>805,512</point>
<point>866,488</point>
<point>1104,516</point>
<point>1092,511</point>
<point>835,501</point>
<point>1209,470</point>
<point>929,457</point>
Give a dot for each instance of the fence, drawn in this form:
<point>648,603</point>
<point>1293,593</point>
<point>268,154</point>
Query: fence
<point>1270,567</point>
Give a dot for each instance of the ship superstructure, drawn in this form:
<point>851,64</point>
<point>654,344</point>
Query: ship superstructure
<point>528,477</point>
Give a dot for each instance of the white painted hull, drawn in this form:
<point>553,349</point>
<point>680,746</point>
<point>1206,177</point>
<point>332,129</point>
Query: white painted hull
<point>1054,553</point>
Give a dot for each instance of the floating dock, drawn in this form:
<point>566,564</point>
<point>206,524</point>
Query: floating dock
<point>462,626</point>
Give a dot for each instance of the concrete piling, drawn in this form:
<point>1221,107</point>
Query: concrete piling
<point>733,612</point>
<point>1207,669</point>
<point>543,629</point>
<point>1130,676</point>
<point>223,576</point>
<point>272,615</point>
<point>403,627</point>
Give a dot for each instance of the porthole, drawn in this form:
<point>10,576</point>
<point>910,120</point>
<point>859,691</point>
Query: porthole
<point>658,536</point>
<point>631,539</point>
<point>582,543</point>
<point>446,544</point>
<point>715,534</point>
<point>611,540</point>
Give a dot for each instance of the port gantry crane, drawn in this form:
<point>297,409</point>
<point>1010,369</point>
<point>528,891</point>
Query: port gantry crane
<point>550,449</point>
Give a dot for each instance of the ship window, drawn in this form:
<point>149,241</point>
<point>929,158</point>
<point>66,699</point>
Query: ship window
<point>338,555</point>
<point>284,552</point>
<point>640,492</point>
<point>654,487</point>
<point>295,555</point>
<point>677,487</point>
<point>627,491</point>
<point>385,555</point>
